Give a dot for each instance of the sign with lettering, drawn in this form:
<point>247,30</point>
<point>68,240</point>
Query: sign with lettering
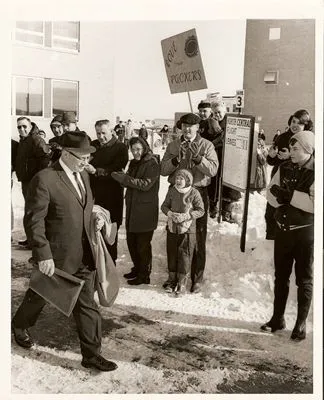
<point>183,62</point>
<point>239,132</point>
<point>240,98</point>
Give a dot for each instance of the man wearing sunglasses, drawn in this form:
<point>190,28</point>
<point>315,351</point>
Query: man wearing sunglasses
<point>32,155</point>
<point>58,211</point>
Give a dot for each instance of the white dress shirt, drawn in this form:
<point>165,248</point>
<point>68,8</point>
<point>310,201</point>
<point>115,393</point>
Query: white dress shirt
<point>70,175</point>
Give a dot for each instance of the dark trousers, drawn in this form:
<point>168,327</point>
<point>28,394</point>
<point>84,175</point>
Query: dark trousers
<point>24,189</point>
<point>199,256</point>
<point>85,313</point>
<point>140,250</point>
<point>271,225</point>
<point>180,249</point>
<point>212,192</point>
<point>112,249</point>
<point>289,246</point>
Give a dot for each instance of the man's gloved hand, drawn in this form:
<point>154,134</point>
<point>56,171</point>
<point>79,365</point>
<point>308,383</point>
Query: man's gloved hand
<point>283,195</point>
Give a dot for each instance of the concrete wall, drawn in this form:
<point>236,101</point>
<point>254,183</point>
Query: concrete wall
<point>93,67</point>
<point>293,55</point>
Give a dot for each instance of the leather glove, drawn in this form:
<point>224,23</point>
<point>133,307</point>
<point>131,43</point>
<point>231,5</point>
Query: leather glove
<point>119,176</point>
<point>283,195</point>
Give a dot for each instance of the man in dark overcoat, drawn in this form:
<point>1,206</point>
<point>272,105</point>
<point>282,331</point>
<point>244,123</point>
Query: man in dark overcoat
<point>111,156</point>
<point>57,217</point>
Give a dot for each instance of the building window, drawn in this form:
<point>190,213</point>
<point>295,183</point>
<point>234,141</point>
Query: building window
<point>271,77</point>
<point>30,32</point>
<point>28,96</point>
<point>274,33</point>
<point>65,35</point>
<point>59,35</point>
<point>65,96</point>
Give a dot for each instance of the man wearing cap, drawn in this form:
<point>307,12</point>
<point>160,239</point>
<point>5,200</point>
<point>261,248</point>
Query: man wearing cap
<point>229,195</point>
<point>54,143</point>
<point>69,121</point>
<point>57,218</point>
<point>210,129</point>
<point>291,192</point>
<point>191,151</point>
<point>32,155</point>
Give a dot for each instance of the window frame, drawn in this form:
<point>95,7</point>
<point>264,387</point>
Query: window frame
<point>22,42</point>
<point>66,38</point>
<point>272,29</point>
<point>14,94</point>
<point>52,94</point>
<point>276,81</point>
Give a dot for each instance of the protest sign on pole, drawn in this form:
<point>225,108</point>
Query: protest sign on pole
<point>238,167</point>
<point>183,62</point>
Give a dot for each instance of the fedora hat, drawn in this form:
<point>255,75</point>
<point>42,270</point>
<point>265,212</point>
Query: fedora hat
<point>69,117</point>
<point>77,142</point>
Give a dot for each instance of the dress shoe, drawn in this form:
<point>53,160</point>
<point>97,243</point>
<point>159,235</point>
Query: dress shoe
<point>98,362</point>
<point>139,281</point>
<point>195,288</point>
<point>130,275</point>
<point>274,325</point>
<point>23,242</point>
<point>22,337</point>
<point>299,331</point>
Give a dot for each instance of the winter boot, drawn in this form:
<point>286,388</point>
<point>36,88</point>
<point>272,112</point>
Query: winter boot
<point>139,280</point>
<point>181,285</point>
<point>299,331</point>
<point>275,324</point>
<point>132,274</point>
<point>170,284</point>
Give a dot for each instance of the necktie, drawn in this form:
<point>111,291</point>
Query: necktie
<point>82,191</point>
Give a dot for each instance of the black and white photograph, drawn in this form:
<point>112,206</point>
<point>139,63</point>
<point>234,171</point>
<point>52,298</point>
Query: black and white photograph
<point>165,209</point>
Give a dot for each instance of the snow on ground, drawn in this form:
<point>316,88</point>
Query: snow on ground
<point>238,286</point>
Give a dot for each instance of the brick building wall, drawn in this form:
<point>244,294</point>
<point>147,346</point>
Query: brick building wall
<point>293,57</point>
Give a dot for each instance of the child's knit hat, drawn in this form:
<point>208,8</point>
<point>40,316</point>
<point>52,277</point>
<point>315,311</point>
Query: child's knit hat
<point>187,176</point>
<point>306,139</point>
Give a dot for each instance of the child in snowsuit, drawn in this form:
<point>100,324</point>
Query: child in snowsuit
<point>291,192</point>
<point>183,205</point>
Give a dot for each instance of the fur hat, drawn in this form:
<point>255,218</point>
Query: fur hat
<point>189,119</point>
<point>204,104</point>
<point>187,176</point>
<point>306,139</point>
<point>69,117</point>
<point>57,120</point>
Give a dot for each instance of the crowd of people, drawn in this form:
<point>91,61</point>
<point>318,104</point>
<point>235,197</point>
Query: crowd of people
<point>62,180</point>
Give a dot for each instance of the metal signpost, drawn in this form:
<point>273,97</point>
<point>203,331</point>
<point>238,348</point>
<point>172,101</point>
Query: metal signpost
<point>237,161</point>
<point>183,63</point>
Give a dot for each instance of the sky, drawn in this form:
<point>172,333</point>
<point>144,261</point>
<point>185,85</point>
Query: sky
<point>141,85</point>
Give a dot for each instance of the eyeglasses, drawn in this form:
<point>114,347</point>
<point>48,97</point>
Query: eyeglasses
<point>84,159</point>
<point>22,126</point>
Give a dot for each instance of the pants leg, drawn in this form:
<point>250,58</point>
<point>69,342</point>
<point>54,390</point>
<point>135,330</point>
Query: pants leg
<point>113,248</point>
<point>24,189</point>
<point>283,259</point>
<point>186,247</point>
<point>172,252</point>
<point>29,310</point>
<point>304,257</point>
<point>144,253</point>
<point>199,255</point>
<point>132,248</point>
<point>271,224</point>
<point>87,315</point>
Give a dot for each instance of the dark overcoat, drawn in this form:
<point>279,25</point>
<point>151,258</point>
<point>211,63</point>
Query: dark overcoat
<point>57,224</point>
<point>142,201</point>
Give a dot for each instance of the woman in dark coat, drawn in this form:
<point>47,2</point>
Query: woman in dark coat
<point>142,208</point>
